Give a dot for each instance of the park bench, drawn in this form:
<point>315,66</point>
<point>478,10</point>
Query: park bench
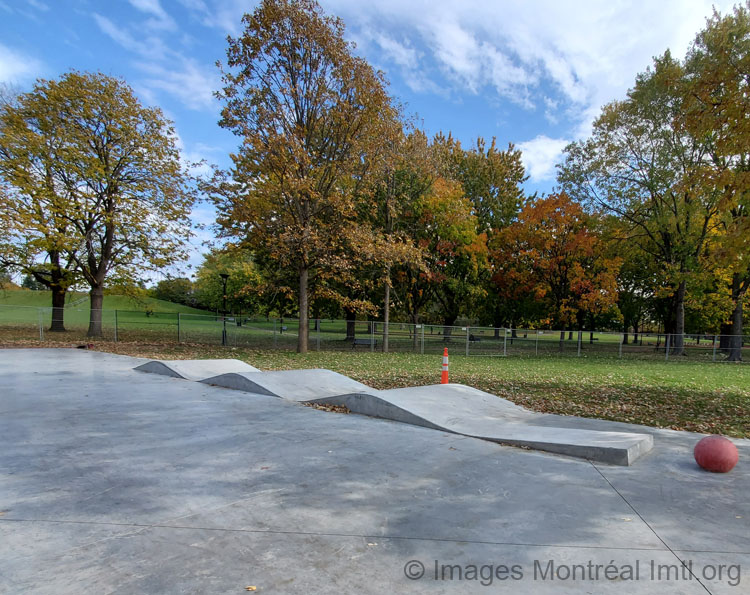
<point>365,342</point>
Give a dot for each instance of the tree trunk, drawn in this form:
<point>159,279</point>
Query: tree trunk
<point>304,312</point>
<point>591,337</point>
<point>735,341</point>
<point>58,308</point>
<point>96,296</point>
<point>448,322</point>
<point>386,311</point>
<point>351,324</point>
<point>678,339</point>
<point>725,336</point>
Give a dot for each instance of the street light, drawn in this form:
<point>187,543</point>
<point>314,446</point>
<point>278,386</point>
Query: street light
<point>224,277</point>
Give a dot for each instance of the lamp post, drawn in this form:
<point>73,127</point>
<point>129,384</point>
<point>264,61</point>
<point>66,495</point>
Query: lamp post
<point>224,277</point>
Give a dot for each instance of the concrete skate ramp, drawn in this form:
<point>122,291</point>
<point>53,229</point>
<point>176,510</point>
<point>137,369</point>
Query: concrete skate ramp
<point>195,369</point>
<point>464,410</point>
<point>295,385</point>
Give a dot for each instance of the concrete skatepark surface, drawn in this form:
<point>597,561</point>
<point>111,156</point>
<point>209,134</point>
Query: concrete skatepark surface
<point>450,407</point>
<point>116,481</point>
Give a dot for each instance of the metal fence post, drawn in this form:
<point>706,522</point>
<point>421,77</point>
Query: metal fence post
<point>372,336</point>
<point>274,332</point>
<point>714,349</point>
<point>421,349</point>
<point>41,324</point>
<point>505,342</point>
<point>536,344</point>
<point>666,348</point>
<point>115,326</point>
<point>467,341</point>
<point>622,340</point>
<point>317,334</point>
<point>580,338</point>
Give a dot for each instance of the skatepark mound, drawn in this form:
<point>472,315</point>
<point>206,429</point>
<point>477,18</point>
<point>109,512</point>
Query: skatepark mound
<point>194,369</point>
<point>454,408</point>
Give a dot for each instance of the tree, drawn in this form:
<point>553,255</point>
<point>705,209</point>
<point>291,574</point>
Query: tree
<point>95,183</point>
<point>246,289</point>
<point>640,167</point>
<point>32,204</point>
<point>309,114</point>
<point>178,290</point>
<point>716,106</point>
<point>491,180</point>
<point>554,253</point>
<point>441,223</point>
<point>30,282</point>
<point>406,175</point>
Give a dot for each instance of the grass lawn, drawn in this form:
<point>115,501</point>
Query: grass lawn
<point>682,395</point>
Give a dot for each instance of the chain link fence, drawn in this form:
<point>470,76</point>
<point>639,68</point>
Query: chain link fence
<point>23,323</point>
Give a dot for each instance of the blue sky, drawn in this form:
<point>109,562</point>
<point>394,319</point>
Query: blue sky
<point>534,73</point>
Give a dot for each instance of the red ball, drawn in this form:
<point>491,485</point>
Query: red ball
<point>716,453</point>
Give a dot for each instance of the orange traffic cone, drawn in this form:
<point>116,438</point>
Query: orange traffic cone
<point>444,375</point>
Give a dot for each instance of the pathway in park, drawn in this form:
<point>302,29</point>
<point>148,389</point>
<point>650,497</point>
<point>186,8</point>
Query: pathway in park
<point>115,480</point>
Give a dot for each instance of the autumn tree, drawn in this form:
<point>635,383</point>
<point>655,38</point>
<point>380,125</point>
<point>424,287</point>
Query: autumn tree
<point>441,223</point>
<point>96,191</point>
<point>33,205</point>
<point>640,167</point>
<point>492,180</point>
<point>309,114</point>
<point>554,253</point>
<point>405,176</point>
<point>716,107</point>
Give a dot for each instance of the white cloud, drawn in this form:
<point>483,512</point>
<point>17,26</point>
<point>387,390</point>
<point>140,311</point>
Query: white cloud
<point>151,46</point>
<point>17,67</point>
<point>540,155</point>
<point>400,53</point>
<point>580,55</point>
<point>160,20</point>
<point>167,70</point>
<point>193,85</point>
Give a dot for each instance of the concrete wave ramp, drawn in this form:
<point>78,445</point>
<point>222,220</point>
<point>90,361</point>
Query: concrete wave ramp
<point>295,385</point>
<point>464,410</point>
<point>449,407</point>
<point>194,369</point>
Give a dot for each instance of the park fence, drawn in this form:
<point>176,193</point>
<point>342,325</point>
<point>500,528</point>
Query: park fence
<point>20,323</point>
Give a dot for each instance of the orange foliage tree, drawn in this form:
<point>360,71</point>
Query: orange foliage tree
<point>554,254</point>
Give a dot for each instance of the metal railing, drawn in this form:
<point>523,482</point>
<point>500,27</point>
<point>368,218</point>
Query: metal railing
<point>23,323</point>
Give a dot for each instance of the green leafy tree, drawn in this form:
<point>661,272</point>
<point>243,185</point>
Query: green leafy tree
<point>639,167</point>
<point>178,290</point>
<point>246,290</point>
<point>93,186</point>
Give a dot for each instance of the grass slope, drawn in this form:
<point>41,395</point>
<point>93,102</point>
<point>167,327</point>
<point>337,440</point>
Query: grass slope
<point>79,301</point>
